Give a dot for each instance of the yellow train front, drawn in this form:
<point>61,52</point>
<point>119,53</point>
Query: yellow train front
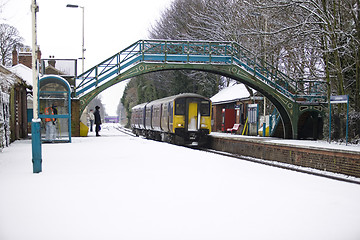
<point>183,119</point>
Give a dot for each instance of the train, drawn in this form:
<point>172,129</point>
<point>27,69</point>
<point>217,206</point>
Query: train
<point>183,119</point>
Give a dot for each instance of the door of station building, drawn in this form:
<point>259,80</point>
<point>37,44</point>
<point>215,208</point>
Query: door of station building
<point>228,119</point>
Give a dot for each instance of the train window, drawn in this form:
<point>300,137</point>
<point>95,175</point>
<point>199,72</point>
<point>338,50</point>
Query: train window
<point>171,109</point>
<point>180,107</point>
<point>205,108</point>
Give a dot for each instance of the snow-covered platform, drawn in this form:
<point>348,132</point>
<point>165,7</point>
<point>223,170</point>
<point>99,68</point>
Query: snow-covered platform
<point>316,144</point>
<point>122,187</point>
<point>320,155</point>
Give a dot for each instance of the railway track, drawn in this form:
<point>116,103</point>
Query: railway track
<point>125,130</point>
<point>310,171</point>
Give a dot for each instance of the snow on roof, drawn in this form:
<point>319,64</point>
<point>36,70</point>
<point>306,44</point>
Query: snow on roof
<point>23,72</point>
<point>230,94</point>
<point>7,79</point>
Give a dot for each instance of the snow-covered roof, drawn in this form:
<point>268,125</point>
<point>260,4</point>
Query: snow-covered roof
<point>23,72</point>
<point>231,94</point>
<point>7,79</point>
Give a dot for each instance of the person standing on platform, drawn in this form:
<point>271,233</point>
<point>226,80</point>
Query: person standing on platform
<point>97,120</point>
<point>56,122</point>
<point>91,119</point>
<point>50,123</point>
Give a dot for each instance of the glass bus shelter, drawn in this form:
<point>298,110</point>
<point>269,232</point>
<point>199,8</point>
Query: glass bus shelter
<point>55,109</point>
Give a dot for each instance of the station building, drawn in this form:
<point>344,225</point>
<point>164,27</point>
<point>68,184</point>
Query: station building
<point>230,107</point>
<point>13,107</point>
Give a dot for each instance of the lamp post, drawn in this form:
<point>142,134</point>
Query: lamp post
<point>36,122</point>
<point>83,46</point>
<point>256,14</point>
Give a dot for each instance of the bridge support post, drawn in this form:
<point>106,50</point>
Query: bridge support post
<point>295,128</point>
<point>295,121</point>
<point>75,117</point>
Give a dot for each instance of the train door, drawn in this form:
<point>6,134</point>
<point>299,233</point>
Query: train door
<point>192,116</point>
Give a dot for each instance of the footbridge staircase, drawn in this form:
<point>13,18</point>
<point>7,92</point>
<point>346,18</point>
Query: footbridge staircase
<point>294,100</point>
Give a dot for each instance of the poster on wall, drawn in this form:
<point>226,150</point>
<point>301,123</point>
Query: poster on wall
<point>252,113</point>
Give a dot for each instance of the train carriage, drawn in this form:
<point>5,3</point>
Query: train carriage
<point>180,119</point>
<point>137,117</point>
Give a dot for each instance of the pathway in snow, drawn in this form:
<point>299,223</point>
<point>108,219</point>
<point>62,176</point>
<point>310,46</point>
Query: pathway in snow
<point>121,187</point>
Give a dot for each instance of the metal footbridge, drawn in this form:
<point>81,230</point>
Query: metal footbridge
<point>291,98</point>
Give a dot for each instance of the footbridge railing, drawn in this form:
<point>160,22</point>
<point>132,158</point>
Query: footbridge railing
<point>197,52</point>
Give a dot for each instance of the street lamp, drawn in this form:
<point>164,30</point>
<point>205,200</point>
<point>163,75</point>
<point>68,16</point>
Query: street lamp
<point>83,47</point>
<point>36,121</point>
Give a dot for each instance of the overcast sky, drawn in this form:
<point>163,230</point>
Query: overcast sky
<point>110,26</point>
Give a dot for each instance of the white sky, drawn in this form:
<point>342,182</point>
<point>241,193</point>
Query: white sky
<point>110,26</point>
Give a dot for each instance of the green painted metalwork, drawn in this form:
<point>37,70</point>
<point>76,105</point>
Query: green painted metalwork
<point>225,58</point>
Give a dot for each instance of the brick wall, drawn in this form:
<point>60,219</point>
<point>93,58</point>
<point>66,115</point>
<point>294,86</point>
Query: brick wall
<point>26,59</point>
<point>336,161</point>
<point>216,115</point>
<point>75,118</point>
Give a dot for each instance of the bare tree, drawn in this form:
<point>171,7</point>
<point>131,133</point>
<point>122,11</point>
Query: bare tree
<point>9,39</point>
<point>310,40</point>
<point>331,29</point>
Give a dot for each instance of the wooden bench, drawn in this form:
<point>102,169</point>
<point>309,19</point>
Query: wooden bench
<point>234,128</point>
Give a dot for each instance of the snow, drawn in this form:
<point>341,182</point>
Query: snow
<point>6,80</point>
<point>23,72</point>
<point>122,187</point>
<point>230,94</point>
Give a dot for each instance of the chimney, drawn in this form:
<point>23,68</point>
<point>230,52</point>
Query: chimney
<point>14,57</point>
<point>52,62</point>
<point>25,56</point>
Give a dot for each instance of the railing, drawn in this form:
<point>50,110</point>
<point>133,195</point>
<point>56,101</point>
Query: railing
<point>199,52</point>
